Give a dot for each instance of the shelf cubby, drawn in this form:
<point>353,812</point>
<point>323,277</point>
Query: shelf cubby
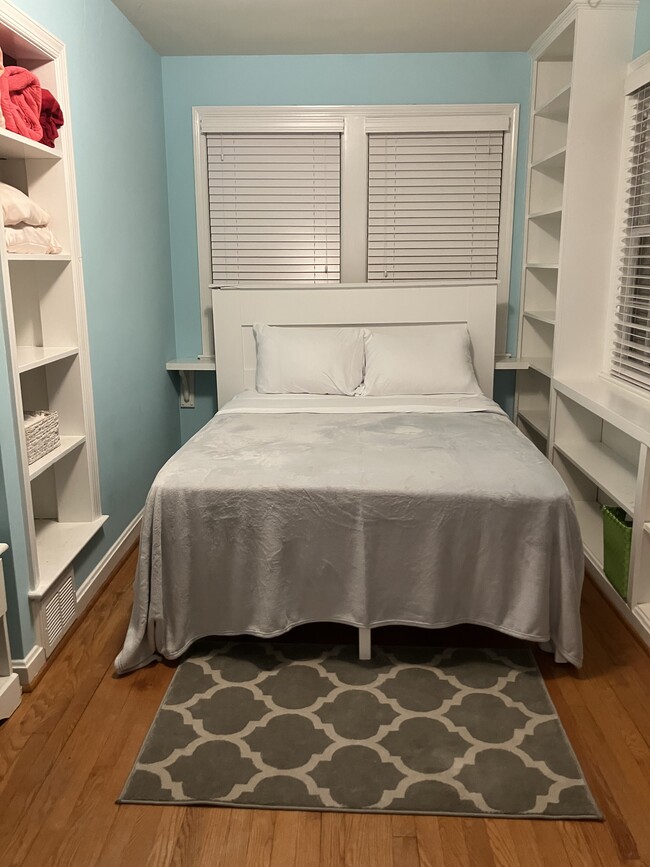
<point>546,189</point>
<point>556,106</point>
<point>588,501</point>
<point>544,238</point>
<point>546,316</point>
<point>604,454</point>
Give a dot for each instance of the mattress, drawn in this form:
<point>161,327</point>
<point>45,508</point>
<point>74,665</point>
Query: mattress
<point>425,511</point>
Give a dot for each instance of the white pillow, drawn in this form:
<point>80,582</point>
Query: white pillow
<point>31,239</point>
<point>19,208</point>
<point>308,360</point>
<point>436,362</point>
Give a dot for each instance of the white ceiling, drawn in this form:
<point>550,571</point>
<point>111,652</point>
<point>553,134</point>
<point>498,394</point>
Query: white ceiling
<point>206,27</point>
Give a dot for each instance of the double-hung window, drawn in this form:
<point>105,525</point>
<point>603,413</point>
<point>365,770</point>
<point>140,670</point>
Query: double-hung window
<point>353,194</point>
<point>631,341</point>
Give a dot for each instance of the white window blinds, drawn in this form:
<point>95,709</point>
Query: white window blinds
<point>275,207</point>
<point>434,205</point>
<point>631,352</point>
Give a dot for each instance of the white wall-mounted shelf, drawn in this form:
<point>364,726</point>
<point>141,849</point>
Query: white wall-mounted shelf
<point>190,364</point>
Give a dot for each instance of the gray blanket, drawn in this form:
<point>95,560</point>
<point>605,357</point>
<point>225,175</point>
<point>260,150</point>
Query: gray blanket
<point>265,521</point>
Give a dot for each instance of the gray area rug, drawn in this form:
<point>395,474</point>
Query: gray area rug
<point>461,732</point>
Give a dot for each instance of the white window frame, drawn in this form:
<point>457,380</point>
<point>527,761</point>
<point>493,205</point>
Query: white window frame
<point>354,123</point>
<point>638,75</point>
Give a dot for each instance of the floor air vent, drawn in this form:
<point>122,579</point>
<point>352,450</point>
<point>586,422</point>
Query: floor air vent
<point>58,611</point>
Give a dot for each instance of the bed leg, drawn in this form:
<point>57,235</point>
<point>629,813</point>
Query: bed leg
<point>365,651</point>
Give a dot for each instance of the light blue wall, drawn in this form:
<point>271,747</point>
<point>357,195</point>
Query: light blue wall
<point>116,103</point>
<point>315,80</point>
<point>642,34</point>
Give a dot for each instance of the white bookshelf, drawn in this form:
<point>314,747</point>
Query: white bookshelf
<point>48,344</point>
<point>595,432</point>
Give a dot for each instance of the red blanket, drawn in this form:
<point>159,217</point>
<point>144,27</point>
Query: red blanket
<point>51,118</point>
<point>20,100</point>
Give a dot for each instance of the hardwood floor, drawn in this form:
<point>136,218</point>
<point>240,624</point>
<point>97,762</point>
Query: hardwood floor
<point>67,750</point>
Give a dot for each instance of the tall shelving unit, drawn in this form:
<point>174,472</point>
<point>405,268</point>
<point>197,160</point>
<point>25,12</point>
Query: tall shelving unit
<point>553,67</point>
<point>48,345</point>
<point>595,431</point>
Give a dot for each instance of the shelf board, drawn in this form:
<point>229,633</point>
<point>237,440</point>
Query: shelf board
<point>542,266</point>
<point>190,364</point>
<point>14,146</point>
<point>68,444</point>
<point>547,316</point>
<point>591,526</point>
<point>615,403</point>
<point>538,419</point>
<point>552,213</point>
<point>605,468</point>
<point>506,362</point>
<point>39,257</point>
<point>57,545</point>
<point>551,162</point>
<point>541,365</point>
<point>30,357</point>
<point>557,107</point>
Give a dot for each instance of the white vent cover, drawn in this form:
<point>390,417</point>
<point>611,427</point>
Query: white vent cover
<point>58,612</point>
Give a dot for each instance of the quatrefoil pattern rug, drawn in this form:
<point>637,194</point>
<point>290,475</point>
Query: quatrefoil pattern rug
<point>414,730</point>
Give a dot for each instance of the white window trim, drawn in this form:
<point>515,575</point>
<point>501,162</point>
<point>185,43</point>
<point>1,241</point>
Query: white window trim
<point>638,75</point>
<point>354,122</point>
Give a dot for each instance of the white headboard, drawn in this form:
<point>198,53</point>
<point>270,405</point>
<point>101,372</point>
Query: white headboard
<point>397,307</point>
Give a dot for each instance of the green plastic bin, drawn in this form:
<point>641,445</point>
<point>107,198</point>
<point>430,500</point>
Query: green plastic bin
<point>617,542</point>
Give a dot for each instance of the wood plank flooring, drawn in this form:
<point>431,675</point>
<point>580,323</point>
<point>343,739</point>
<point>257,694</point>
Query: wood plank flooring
<point>66,752</point>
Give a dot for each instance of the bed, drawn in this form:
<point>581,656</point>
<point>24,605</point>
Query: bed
<point>421,510</point>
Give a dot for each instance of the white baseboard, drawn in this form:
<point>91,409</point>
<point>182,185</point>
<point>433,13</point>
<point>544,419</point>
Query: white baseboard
<point>102,571</point>
<point>28,668</point>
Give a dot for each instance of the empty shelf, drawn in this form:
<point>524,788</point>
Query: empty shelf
<point>58,544</point>
<point>607,470</point>
<point>557,107</point>
<point>591,526</point>
<point>537,419</point>
<point>547,316</point>
<point>551,162</point>
<point>30,357</point>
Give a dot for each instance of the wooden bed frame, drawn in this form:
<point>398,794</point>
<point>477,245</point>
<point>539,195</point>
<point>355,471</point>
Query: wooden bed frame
<point>396,308</point>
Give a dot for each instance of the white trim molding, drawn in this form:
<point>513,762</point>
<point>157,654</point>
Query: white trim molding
<point>102,572</point>
<point>638,73</point>
<point>31,666</point>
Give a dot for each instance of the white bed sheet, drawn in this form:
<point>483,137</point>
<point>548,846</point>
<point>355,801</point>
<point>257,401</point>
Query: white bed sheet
<point>425,511</point>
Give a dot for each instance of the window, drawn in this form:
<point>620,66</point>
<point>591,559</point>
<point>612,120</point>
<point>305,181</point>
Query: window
<point>354,193</point>
<point>433,205</point>
<point>631,343</point>
<point>275,207</point>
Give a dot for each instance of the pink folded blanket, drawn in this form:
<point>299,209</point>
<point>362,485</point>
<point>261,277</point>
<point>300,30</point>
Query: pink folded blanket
<point>20,101</point>
<point>51,118</point>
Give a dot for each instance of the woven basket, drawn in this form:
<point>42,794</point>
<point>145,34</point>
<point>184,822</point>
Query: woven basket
<point>41,433</point>
<point>617,538</point>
